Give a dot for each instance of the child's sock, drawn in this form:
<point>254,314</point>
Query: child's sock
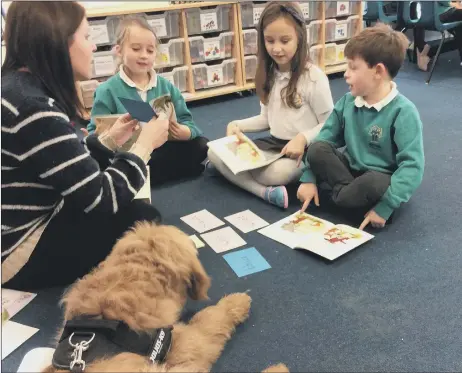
<point>277,196</point>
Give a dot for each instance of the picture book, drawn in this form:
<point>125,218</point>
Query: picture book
<point>162,104</point>
<point>307,232</point>
<point>242,154</point>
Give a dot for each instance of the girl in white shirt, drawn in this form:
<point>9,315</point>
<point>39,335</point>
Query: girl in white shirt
<point>295,101</point>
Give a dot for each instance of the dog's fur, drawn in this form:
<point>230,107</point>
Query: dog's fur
<point>145,282</point>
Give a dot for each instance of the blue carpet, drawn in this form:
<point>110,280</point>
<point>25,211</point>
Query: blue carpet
<point>392,305</point>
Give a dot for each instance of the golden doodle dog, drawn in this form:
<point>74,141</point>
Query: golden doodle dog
<point>124,315</point>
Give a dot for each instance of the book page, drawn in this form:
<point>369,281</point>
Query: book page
<point>241,155</point>
<point>14,301</point>
<point>336,241</point>
<point>296,228</point>
<point>14,335</point>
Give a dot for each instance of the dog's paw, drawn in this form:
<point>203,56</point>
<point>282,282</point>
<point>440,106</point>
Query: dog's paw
<point>238,305</point>
<point>278,368</point>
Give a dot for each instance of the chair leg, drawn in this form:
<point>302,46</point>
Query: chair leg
<point>435,59</point>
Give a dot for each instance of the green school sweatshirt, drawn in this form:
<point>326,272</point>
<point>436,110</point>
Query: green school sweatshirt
<point>107,101</point>
<point>388,141</point>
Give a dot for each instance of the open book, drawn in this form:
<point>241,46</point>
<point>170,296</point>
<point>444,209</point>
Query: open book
<point>242,154</point>
<point>307,232</point>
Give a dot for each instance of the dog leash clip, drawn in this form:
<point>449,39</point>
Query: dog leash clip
<point>78,363</point>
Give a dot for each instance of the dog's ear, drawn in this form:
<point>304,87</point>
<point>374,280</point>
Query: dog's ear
<point>200,281</point>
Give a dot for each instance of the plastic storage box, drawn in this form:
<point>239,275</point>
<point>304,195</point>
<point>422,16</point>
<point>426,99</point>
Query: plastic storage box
<point>178,77</point>
<point>200,21</point>
<point>311,9</point>
<point>354,25</point>
<point>330,54</point>
<point>340,48</point>
<point>171,53</point>
<point>208,76</point>
<point>337,30</point>
<point>205,49</point>
<point>315,54</point>
<point>100,33</point>
<point>250,67</point>
<point>103,64</point>
<point>88,88</point>
<point>250,38</point>
<point>250,13</point>
<point>315,30</point>
<point>166,24</point>
<point>338,8</point>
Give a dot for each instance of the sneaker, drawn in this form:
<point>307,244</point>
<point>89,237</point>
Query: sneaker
<point>277,196</point>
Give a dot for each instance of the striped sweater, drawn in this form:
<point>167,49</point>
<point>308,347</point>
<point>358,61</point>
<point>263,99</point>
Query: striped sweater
<point>45,165</point>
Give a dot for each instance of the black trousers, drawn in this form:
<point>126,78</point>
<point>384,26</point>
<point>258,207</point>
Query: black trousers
<point>452,15</point>
<point>349,188</point>
<point>177,160</point>
<point>73,243</point>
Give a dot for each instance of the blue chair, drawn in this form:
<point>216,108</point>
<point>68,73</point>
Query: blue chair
<point>375,11</point>
<point>429,20</point>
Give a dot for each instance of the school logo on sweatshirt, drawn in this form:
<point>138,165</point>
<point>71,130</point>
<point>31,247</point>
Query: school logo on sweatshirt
<point>376,133</point>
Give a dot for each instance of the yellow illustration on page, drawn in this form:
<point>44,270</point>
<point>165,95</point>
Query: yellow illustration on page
<point>245,151</point>
<point>303,223</point>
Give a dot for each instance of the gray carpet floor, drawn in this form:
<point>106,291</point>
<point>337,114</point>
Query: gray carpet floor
<point>392,305</point>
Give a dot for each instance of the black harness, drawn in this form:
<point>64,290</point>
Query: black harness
<point>86,339</point>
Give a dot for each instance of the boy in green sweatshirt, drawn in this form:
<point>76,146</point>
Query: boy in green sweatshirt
<point>383,160</point>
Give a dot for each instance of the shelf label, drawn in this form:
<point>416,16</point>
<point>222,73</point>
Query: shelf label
<point>341,31</point>
<point>214,76</point>
<point>343,8</point>
<point>209,22</point>
<point>163,55</point>
<point>257,11</point>
<point>104,65</point>
<point>159,26</point>
<point>212,49</point>
<point>305,9</point>
<point>99,34</point>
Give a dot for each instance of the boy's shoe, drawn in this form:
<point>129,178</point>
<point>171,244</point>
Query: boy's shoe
<point>210,169</point>
<point>277,196</point>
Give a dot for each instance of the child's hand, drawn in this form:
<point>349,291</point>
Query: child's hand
<point>295,148</point>
<point>123,129</point>
<point>373,218</point>
<point>305,193</point>
<point>179,132</point>
<point>233,129</point>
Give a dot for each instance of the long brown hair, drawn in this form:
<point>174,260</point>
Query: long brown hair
<point>37,36</point>
<point>264,78</point>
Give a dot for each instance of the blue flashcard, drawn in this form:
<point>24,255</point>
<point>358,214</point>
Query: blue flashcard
<point>247,261</point>
<point>138,109</point>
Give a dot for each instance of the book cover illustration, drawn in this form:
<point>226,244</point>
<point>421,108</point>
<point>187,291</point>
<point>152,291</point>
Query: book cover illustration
<point>241,153</point>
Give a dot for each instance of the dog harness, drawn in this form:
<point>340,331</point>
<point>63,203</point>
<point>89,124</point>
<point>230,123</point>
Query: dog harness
<point>85,339</point>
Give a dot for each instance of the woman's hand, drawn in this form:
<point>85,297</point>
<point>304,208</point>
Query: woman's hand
<point>295,148</point>
<point>154,134</point>
<point>123,129</point>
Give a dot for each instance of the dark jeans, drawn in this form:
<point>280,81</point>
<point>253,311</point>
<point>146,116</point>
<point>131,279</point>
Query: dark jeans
<point>73,243</point>
<point>452,15</point>
<point>177,160</point>
<point>350,189</point>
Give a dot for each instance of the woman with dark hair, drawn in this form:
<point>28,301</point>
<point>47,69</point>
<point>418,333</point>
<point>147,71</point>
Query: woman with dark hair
<point>64,204</point>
